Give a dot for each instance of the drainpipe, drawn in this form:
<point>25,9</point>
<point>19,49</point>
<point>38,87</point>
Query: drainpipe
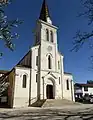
<point>30,81</point>
<point>71,90</point>
<point>43,87</point>
<point>61,76</point>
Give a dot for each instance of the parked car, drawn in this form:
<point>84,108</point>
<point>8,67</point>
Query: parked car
<point>91,98</point>
<point>86,98</point>
<point>79,99</point>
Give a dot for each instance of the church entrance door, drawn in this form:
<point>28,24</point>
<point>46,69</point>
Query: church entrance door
<point>49,91</point>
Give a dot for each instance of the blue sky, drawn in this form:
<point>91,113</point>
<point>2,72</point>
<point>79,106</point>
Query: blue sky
<point>64,15</point>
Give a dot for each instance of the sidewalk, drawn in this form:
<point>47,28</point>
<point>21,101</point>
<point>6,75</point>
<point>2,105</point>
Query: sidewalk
<point>68,107</point>
<point>17,109</point>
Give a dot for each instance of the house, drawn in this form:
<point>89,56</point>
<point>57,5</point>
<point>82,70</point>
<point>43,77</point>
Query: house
<point>2,72</point>
<point>83,89</point>
<point>40,75</point>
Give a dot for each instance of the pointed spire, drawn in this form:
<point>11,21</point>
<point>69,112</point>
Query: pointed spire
<point>44,14</point>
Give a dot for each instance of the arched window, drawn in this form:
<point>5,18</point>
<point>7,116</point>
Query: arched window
<point>49,62</point>
<point>67,84</point>
<point>59,80</point>
<point>58,65</point>
<point>51,36</point>
<point>36,77</point>
<point>47,35</point>
<point>24,81</point>
<point>36,60</point>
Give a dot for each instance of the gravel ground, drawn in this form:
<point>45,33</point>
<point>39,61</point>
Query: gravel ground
<point>80,112</point>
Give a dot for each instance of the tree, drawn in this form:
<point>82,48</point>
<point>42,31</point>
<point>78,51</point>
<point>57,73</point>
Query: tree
<point>89,81</point>
<point>6,26</point>
<point>84,37</point>
<point>4,84</point>
<point>7,36</point>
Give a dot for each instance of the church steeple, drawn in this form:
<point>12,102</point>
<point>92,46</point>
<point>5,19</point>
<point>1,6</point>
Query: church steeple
<point>44,14</point>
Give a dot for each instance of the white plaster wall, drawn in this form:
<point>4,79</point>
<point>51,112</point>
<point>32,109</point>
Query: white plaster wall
<point>90,90</point>
<point>34,71</point>
<point>34,54</point>
<point>45,44</point>
<point>21,95</point>
<point>68,94</point>
<point>43,26</point>
<point>62,74</point>
<point>44,56</point>
<point>33,86</point>
<point>58,58</point>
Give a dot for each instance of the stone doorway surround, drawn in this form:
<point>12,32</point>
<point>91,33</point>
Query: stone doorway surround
<point>48,79</point>
<point>49,84</point>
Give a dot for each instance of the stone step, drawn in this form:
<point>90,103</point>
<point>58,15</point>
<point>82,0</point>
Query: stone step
<point>38,103</point>
<point>58,103</point>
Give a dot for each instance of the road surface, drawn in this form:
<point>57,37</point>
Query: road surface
<point>78,112</point>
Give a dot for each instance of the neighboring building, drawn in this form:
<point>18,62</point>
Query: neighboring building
<point>83,89</point>
<point>2,72</point>
<point>40,74</point>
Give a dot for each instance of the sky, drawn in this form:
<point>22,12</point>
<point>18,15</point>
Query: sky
<point>64,15</point>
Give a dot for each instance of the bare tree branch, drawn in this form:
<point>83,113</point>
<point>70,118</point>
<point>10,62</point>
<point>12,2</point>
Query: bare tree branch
<point>80,39</point>
<point>84,37</point>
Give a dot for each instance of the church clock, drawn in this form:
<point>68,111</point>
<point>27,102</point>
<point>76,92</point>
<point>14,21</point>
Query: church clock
<point>49,48</point>
<point>49,20</point>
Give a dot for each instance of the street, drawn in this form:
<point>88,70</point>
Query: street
<point>80,112</point>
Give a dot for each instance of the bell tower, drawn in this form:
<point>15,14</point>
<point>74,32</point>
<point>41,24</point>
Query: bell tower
<point>46,37</point>
<point>48,56</point>
<point>45,30</point>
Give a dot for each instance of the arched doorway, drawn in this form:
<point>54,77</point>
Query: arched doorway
<point>49,91</point>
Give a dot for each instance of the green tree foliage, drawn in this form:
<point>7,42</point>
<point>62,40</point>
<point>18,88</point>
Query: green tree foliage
<point>89,81</point>
<point>7,36</point>
<point>6,26</point>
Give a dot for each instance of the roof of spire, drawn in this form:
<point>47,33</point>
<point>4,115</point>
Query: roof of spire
<point>44,12</point>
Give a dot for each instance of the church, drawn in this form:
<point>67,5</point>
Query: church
<point>40,75</point>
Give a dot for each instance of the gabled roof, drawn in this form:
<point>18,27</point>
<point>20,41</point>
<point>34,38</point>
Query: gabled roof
<point>21,63</point>
<point>26,60</point>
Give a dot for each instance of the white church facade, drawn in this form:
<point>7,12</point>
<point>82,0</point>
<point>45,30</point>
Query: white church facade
<point>40,74</point>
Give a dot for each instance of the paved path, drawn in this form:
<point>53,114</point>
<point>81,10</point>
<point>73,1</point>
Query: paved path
<point>81,112</point>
